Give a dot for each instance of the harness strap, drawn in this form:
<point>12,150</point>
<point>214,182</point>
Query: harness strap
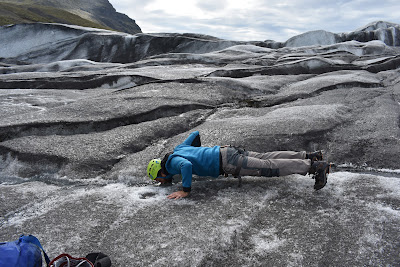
<point>238,166</point>
<point>236,173</point>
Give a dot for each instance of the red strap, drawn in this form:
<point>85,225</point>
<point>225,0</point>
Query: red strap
<point>73,261</point>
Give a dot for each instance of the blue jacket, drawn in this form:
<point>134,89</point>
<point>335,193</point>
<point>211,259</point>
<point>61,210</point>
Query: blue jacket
<point>190,158</point>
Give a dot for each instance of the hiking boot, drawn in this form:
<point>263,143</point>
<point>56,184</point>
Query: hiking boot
<point>315,156</point>
<point>320,171</point>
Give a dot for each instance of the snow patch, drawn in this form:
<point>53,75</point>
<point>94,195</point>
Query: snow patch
<point>130,199</point>
<point>246,49</point>
<point>34,210</point>
<point>122,83</point>
<point>267,241</point>
<point>319,37</point>
<point>387,210</point>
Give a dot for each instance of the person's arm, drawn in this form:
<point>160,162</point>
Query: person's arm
<point>169,176</point>
<point>193,139</point>
<point>186,171</point>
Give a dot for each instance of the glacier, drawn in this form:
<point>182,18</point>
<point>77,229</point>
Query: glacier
<point>84,110</point>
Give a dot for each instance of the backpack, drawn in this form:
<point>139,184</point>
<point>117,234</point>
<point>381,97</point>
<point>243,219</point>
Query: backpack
<point>24,252</point>
<point>28,252</point>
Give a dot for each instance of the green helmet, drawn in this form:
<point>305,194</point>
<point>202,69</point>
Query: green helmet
<point>153,168</point>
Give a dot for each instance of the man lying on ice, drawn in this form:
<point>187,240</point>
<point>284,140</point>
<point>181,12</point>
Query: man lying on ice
<point>191,158</point>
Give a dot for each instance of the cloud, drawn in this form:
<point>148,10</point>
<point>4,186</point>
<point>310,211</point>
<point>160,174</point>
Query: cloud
<point>255,19</point>
<point>212,5</point>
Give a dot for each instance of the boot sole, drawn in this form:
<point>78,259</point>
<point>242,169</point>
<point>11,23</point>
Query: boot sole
<point>326,171</point>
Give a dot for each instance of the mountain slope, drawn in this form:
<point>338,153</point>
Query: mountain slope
<point>14,14</point>
<point>98,13</point>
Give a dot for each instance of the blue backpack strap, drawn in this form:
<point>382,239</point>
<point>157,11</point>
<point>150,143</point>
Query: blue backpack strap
<point>33,240</point>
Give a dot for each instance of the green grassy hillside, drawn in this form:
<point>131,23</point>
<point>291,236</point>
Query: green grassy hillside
<point>93,13</point>
<point>27,13</point>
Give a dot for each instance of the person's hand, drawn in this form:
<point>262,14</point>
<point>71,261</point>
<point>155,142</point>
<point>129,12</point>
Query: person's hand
<point>178,195</point>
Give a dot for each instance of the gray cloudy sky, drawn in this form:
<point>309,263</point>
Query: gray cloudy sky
<point>256,19</point>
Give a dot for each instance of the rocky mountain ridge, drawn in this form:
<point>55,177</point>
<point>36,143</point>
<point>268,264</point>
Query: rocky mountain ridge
<point>386,32</point>
<point>123,48</point>
<point>89,13</point>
